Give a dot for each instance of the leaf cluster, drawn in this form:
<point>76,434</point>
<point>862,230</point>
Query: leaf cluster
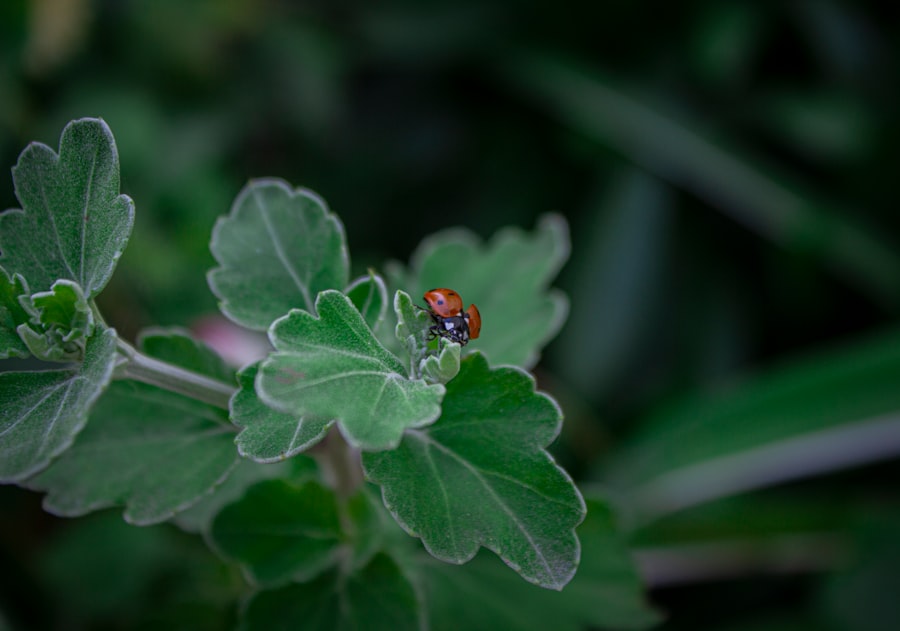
<point>282,463</point>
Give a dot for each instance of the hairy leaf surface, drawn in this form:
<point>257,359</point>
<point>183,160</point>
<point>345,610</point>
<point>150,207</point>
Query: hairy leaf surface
<point>12,315</point>
<point>280,531</point>
<point>332,367</point>
<point>268,435</point>
<point>276,249</point>
<point>73,224</point>
<point>153,451</point>
<point>60,324</point>
<point>41,412</point>
<point>199,517</point>
<point>480,476</point>
<point>369,295</point>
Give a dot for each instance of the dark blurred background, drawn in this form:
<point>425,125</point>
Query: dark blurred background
<point>728,170</point>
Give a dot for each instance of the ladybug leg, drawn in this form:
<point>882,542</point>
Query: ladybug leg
<point>434,331</point>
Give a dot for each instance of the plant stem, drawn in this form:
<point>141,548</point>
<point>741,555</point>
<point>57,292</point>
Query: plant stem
<point>341,463</point>
<point>169,377</point>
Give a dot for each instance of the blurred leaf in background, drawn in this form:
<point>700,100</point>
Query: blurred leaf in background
<point>727,171</point>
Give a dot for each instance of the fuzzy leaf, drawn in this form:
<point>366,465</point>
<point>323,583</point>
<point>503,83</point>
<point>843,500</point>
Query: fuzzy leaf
<point>41,412</point>
<point>480,476</point>
<point>61,321</point>
<point>153,451</point>
<point>333,367</point>
<point>605,593</point>
<point>412,321</point>
<point>12,315</point>
<point>199,517</point>
<point>74,224</point>
<point>280,531</point>
<point>377,596</point>
<point>442,367</point>
<point>269,435</point>
<point>369,527</point>
<point>176,346</point>
<point>411,331</point>
<point>369,295</point>
<point>276,249</point>
<point>507,278</point>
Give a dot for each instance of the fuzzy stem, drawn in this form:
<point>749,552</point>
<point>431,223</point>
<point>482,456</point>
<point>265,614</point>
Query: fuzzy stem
<point>341,463</point>
<point>158,373</point>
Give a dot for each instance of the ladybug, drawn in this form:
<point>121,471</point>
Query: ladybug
<point>450,322</point>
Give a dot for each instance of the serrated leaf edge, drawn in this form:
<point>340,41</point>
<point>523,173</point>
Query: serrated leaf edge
<point>294,449</point>
<point>292,192</point>
<point>107,135</point>
<point>542,450</point>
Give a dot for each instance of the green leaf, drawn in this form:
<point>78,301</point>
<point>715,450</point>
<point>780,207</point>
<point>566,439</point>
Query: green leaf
<point>368,527</point>
<point>377,596</point>
<point>268,435</point>
<point>41,412</point>
<point>199,517</point>
<point>153,451</point>
<point>12,315</point>
<point>411,331</point>
<point>175,345</point>
<point>480,477</point>
<point>276,249</point>
<point>74,224</point>
<point>442,367</point>
<point>333,367</point>
<point>61,322</point>
<point>412,321</point>
<point>369,295</point>
<point>606,592</point>
<point>280,531</point>
<point>507,278</point>
<point>818,414</point>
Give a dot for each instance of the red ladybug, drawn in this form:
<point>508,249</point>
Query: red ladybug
<point>450,321</point>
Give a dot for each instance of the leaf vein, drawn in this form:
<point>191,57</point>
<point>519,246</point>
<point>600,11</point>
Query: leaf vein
<point>303,349</point>
<point>52,219</point>
<point>49,427</point>
<point>328,378</point>
<point>26,413</point>
<point>496,497</point>
<point>280,252</point>
<point>84,219</point>
<point>296,437</point>
<point>443,488</point>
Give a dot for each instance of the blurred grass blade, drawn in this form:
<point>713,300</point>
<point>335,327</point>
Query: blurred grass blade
<point>810,454</point>
<point>618,268</point>
<point>821,414</point>
<point>714,171</point>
